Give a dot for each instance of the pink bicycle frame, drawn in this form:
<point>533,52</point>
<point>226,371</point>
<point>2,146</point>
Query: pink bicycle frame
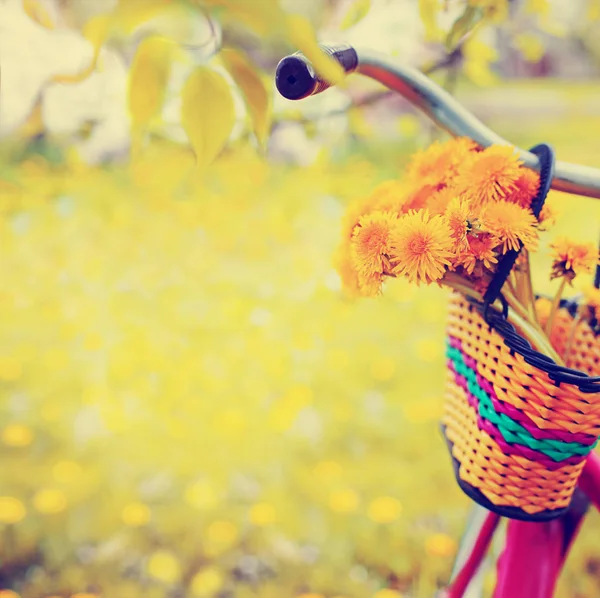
<point>534,553</point>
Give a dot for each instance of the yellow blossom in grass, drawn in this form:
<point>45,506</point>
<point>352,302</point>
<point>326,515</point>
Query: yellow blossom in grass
<point>164,566</point>
<point>12,510</point>
<point>135,514</point>
<point>512,224</point>
<point>571,259</point>
<point>343,501</point>
<point>17,435</point>
<point>387,593</point>
<point>49,501</point>
<point>526,188</point>
<point>207,582</point>
<point>262,514</point>
<point>421,247</point>
<point>441,545</point>
<point>370,248</point>
<point>489,175</point>
<point>384,509</point>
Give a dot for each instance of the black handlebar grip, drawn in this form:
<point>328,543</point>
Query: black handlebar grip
<point>295,77</point>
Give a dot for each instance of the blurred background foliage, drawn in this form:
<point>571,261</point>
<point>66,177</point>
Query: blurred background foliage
<point>188,405</point>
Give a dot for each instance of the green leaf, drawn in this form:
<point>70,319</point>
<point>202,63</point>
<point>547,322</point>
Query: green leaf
<point>469,19</point>
<point>207,113</point>
<point>357,11</point>
<point>253,88</point>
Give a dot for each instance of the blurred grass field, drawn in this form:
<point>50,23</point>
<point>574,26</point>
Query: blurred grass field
<point>190,407</point>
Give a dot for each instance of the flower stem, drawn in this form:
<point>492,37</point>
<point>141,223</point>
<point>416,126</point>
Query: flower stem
<point>554,307</point>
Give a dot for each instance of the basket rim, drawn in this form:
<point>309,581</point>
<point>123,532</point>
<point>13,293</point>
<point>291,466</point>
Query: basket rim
<point>516,343</point>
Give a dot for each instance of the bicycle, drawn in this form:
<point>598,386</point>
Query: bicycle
<point>535,551</point>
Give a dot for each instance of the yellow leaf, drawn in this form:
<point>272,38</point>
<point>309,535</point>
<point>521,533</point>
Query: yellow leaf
<point>207,113</point>
<point>148,79</point>
<point>302,35</point>
<point>357,11</point>
<point>130,14</point>
<point>428,10</point>
<point>261,16</point>
<point>253,88</point>
<point>37,12</point>
<point>124,20</point>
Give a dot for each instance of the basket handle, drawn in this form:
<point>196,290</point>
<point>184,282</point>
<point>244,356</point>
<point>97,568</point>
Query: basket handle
<point>545,153</point>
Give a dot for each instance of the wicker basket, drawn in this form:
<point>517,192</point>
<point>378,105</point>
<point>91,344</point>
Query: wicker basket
<point>519,427</point>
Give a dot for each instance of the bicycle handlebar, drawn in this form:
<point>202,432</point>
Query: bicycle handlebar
<point>296,79</point>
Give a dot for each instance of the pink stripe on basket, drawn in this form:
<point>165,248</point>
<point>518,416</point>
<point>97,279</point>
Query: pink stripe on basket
<point>516,414</point>
<point>508,448</point>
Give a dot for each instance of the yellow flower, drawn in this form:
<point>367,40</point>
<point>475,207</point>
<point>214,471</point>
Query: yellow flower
<point>422,247</point>
<point>370,249</point>
<point>526,187</point>
<point>460,218</point>
<point>344,266</point>
<point>547,217</point>
<point>439,201</point>
<point>207,582</point>
<point>480,250</point>
<point>571,259</point>
<point>511,224</point>
<point>419,196</point>
<point>384,509</point>
<point>440,545</point>
<point>489,175</point>
<point>387,593</point>
<point>389,196</point>
<point>440,163</point>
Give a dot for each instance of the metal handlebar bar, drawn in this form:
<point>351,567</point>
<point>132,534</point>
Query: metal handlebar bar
<point>296,79</point>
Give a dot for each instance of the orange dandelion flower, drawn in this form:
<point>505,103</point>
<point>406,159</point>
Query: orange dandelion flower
<point>489,175</point>
<point>480,251</point>
<point>439,201</point>
<point>418,197</point>
<point>353,213</point>
<point>389,196</point>
<point>571,259</point>
<point>547,218</point>
<point>460,219</point>
<point>512,224</point>
<point>421,247</point>
<point>439,163</point>
<point>344,266</point>
<point>527,186</point>
<point>370,249</point>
